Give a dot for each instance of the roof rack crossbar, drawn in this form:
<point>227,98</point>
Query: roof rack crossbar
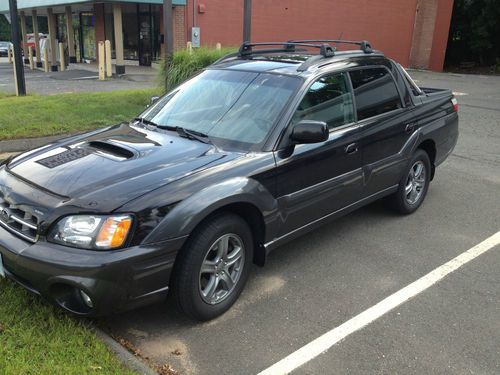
<point>246,49</point>
<point>365,45</point>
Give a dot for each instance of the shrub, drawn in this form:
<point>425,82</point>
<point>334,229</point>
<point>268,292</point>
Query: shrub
<point>184,64</point>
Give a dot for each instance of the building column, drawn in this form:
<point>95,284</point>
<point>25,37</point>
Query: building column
<point>34,17</point>
<point>118,30</point>
<point>423,33</point>
<point>23,33</point>
<point>52,39</point>
<point>70,34</point>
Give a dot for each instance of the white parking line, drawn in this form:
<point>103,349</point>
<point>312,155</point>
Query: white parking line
<point>327,340</point>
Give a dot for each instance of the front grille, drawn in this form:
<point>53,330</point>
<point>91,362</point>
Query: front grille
<point>19,222</point>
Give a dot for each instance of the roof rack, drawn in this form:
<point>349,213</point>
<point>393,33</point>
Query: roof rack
<point>365,45</point>
<point>247,50</point>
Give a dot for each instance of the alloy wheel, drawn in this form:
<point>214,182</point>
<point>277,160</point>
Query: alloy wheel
<point>221,268</point>
<point>415,183</point>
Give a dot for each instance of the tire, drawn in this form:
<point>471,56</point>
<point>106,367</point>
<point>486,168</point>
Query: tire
<point>193,287</point>
<point>407,201</point>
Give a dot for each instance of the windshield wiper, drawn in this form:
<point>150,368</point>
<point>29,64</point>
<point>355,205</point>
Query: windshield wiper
<point>192,134</point>
<point>186,133</point>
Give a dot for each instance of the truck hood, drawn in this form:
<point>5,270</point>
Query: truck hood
<point>106,169</point>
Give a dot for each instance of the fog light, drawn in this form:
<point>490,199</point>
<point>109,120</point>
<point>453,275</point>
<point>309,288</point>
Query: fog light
<point>86,299</point>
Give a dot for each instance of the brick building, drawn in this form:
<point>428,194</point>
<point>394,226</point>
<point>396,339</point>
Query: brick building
<point>414,32</point>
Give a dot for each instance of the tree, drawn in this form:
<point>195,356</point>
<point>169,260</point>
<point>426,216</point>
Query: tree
<point>4,28</point>
<point>474,33</point>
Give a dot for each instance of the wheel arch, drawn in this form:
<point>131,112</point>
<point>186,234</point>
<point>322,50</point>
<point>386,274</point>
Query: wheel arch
<point>429,146</point>
<point>255,220</point>
<point>244,197</point>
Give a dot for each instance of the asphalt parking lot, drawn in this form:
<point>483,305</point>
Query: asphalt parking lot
<point>326,278</point>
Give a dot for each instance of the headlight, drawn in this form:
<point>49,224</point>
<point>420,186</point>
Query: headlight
<point>92,231</point>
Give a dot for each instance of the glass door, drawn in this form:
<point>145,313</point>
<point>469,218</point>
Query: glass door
<point>145,37</point>
<point>88,43</point>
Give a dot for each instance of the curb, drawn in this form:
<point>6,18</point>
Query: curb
<point>129,360</point>
<point>5,156</point>
<point>23,144</point>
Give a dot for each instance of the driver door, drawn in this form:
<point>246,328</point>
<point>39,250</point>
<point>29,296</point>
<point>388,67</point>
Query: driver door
<point>316,180</point>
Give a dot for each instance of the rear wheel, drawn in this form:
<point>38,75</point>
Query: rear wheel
<point>213,268</point>
<point>413,185</point>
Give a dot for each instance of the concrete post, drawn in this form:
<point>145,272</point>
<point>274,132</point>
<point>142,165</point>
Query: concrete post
<point>218,46</point>
<point>9,54</point>
<point>71,36</point>
<point>118,31</point>
<point>189,46</point>
<point>30,57</point>
<point>109,68</point>
<point>24,40</point>
<point>15,72</point>
<point>45,59</point>
<point>100,59</point>
<point>61,57</point>
<point>38,53</point>
<point>52,39</point>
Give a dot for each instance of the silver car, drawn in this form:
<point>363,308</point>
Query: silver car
<point>4,47</point>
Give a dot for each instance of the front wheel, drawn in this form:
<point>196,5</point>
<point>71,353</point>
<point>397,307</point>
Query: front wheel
<point>413,185</point>
<point>214,266</point>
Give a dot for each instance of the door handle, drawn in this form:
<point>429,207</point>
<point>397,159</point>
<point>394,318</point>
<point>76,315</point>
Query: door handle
<point>351,149</point>
<point>409,128</point>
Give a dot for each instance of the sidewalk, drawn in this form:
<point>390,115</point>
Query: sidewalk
<point>77,78</point>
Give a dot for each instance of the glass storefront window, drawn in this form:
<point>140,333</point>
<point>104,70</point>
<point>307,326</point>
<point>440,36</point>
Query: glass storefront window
<point>130,32</point>
<point>88,35</point>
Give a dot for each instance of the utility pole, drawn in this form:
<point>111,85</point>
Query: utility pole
<point>19,66</point>
<point>247,20</point>
<point>168,30</point>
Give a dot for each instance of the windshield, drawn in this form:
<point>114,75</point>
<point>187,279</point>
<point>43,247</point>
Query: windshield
<point>232,107</point>
<point>4,44</point>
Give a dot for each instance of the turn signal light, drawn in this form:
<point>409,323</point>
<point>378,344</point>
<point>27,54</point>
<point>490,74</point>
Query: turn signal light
<point>455,104</point>
<point>113,232</point>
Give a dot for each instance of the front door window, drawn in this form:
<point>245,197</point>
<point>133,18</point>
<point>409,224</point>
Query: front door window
<point>328,99</point>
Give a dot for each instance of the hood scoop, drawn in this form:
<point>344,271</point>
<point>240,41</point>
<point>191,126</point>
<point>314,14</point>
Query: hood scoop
<point>112,150</point>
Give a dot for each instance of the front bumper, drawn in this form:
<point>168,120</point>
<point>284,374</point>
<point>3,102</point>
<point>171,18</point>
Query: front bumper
<point>115,280</point>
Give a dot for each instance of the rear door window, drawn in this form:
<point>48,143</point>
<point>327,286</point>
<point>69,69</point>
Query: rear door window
<point>375,92</point>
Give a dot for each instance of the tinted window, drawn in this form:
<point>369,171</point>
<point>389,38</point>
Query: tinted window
<point>329,100</point>
<point>375,92</point>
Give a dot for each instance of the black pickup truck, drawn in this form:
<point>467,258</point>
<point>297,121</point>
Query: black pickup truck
<point>259,148</point>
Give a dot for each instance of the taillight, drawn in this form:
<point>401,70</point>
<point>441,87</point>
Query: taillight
<point>455,104</point>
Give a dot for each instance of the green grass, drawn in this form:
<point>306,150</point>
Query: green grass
<point>36,338</point>
<point>184,64</point>
<point>37,116</point>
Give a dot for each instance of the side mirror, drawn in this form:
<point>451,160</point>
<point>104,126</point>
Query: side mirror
<point>309,131</point>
